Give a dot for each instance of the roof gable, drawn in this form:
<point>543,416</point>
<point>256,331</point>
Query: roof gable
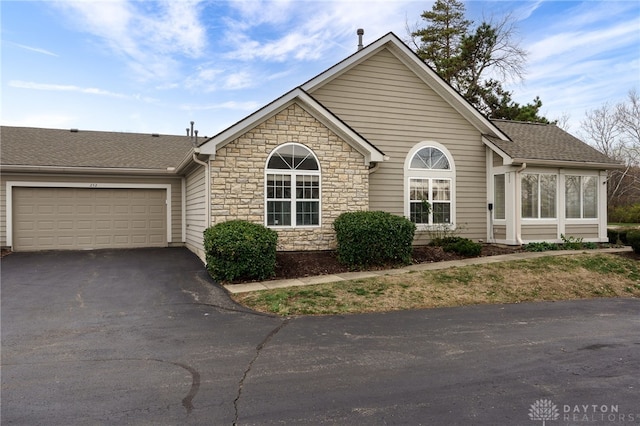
<point>309,104</point>
<point>403,53</point>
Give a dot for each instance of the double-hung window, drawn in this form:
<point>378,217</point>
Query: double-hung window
<point>292,187</point>
<point>430,186</point>
<point>538,196</point>
<point>581,197</point>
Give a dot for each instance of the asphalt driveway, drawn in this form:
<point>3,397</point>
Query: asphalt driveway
<point>145,337</point>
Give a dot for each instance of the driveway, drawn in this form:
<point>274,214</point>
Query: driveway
<point>145,337</point>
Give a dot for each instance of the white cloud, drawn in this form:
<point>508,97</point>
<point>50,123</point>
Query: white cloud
<point>148,36</point>
<point>19,84</point>
<point>315,29</point>
<point>229,105</point>
<point>32,49</point>
<point>55,121</point>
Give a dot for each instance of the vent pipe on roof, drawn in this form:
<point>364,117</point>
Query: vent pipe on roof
<point>193,133</point>
<point>360,34</point>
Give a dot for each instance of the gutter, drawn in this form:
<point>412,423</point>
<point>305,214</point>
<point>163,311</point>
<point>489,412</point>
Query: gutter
<point>568,164</point>
<point>519,204</point>
<point>207,186</point>
<point>169,171</point>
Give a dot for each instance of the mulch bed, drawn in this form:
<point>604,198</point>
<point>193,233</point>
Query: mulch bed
<point>307,264</point>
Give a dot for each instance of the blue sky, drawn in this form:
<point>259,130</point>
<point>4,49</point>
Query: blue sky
<point>151,66</point>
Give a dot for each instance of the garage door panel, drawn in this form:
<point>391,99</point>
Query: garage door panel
<point>81,218</point>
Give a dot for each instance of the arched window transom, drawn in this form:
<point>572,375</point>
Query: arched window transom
<point>430,178</point>
<point>430,158</point>
<point>292,187</point>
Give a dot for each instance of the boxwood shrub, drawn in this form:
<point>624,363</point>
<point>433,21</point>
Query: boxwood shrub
<point>633,238</point>
<point>373,238</point>
<point>240,249</point>
<point>618,235</point>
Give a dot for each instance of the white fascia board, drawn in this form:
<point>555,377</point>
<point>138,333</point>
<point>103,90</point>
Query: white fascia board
<point>532,162</point>
<point>426,74</point>
<point>298,95</point>
<point>211,146</point>
<point>360,144</point>
<point>6,168</point>
<point>507,160</point>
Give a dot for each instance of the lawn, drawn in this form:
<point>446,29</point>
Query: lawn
<point>579,276</point>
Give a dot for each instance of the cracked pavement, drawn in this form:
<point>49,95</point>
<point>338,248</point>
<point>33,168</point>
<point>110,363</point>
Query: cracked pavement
<point>145,337</point>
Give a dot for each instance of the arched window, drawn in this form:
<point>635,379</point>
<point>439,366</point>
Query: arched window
<point>430,179</point>
<point>292,189</point>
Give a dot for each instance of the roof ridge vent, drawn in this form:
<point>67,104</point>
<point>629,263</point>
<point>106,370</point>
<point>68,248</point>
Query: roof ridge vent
<point>155,135</point>
<point>73,130</point>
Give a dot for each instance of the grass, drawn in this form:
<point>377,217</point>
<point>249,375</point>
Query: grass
<point>547,278</point>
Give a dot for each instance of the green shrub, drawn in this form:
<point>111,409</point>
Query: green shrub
<point>619,235</point>
<point>633,237</point>
<point>462,246</point>
<point>240,249</point>
<point>369,238</point>
<point>625,214</point>
<point>543,246</point>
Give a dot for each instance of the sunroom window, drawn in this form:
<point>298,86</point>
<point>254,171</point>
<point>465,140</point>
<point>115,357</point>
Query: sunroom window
<point>581,195</point>
<point>292,187</point>
<point>430,186</point>
<point>538,196</point>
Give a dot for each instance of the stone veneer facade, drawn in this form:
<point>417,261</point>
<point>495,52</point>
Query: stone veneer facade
<point>238,177</point>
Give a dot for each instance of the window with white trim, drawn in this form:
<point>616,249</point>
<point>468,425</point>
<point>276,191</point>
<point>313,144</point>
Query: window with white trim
<point>292,187</point>
<point>581,197</point>
<point>430,186</point>
<point>538,196</point>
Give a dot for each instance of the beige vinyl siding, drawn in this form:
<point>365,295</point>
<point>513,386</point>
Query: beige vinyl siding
<point>539,232</point>
<point>3,212</point>
<point>175,182</point>
<point>196,210</point>
<point>395,110</point>
<point>581,231</point>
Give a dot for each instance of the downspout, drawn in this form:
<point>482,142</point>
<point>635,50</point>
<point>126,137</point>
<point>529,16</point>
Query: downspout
<point>518,211</point>
<point>207,185</point>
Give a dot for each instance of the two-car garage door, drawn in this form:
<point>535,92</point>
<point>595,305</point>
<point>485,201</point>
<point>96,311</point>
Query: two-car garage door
<point>88,218</point>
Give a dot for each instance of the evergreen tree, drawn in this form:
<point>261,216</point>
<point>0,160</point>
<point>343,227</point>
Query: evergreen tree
<point>464,57</point>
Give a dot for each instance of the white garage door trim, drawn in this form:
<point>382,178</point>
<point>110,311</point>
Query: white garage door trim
<point>92,185</point>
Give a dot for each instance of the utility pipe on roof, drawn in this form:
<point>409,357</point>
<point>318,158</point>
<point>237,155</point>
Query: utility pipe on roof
<point>519,204</point>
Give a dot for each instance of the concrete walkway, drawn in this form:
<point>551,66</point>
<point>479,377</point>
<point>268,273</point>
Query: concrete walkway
<point>321,279</point>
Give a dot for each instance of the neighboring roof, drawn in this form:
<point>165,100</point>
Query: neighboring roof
<point>313,107</point>
<point>546,144</point>
<point>410,59</point>
<point>46,148</point>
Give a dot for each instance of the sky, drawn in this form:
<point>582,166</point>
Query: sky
<point>154,66</point>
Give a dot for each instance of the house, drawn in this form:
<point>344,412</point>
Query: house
<point>378,131</point>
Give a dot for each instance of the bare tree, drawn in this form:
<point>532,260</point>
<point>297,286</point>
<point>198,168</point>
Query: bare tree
<point>628,117</point>
<point>615,131</point>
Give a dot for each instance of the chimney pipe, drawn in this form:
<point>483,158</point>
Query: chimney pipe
<point>192,123</point>
<point>360,34</point>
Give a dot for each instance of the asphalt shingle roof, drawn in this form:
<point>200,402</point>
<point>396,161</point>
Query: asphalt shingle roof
<point>535,141</point>
<point>63,148</point>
